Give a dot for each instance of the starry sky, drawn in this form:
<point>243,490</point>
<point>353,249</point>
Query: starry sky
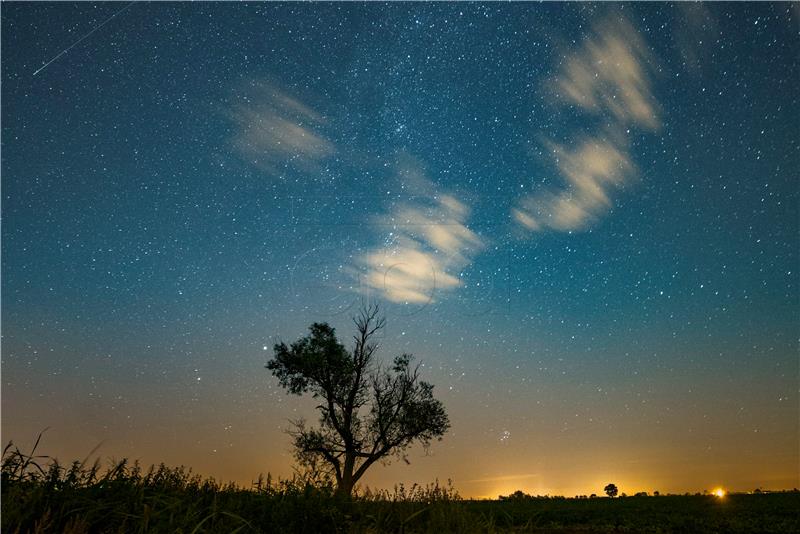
<point>581,218</point>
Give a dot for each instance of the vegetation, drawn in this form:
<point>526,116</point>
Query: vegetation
<point>79,499</point>
<point>367,413</point>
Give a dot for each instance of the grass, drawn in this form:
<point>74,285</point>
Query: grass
<point>39,495</point>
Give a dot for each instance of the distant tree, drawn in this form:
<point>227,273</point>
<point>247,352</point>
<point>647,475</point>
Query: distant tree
<point>656,493</point>
<point>611,490</point>
<point>593,496</point>
<point>367,412</point>
<point>518,495</point>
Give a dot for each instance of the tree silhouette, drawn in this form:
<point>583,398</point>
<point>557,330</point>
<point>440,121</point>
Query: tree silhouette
<point>611,490</point>
<point>367,412</point>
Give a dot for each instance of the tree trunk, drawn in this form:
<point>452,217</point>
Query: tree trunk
<point>345,486</point>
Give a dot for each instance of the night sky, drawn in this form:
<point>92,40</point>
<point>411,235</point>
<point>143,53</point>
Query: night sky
<point>582,218</point>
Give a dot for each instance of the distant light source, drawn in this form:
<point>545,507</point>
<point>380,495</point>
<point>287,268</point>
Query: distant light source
<point>719,492</point>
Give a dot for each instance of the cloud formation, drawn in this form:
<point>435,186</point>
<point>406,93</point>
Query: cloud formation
<point>608,76</point>
<point>426,245</point>
<point>591,170</point>
<point>275,131</point>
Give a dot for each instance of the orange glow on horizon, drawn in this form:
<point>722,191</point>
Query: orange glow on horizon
<point>719,492</point>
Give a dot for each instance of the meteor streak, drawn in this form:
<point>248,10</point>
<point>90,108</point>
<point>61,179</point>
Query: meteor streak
<point>70,47</point>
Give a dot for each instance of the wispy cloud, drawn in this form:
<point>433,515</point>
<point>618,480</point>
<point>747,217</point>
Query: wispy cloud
<point>695,33</point>
<point>591,170</point>
<point>275,131</point>
<point>607,76</point>
<point>426,243</point>
<point>610,74</point>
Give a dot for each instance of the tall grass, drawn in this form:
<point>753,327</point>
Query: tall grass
<point>41,495</point>
<point>51,497</point>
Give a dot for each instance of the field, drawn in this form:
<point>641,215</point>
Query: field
<point>124,498</point>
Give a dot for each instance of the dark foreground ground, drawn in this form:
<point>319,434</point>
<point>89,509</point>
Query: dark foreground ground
<point>125,499</point>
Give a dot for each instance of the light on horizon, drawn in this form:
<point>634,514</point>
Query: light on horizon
<point>719,492</point>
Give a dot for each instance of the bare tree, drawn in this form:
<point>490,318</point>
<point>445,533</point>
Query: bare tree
<point>367,412</point>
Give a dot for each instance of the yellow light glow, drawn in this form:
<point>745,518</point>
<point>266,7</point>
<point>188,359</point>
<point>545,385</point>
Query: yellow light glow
<point>719,492</point>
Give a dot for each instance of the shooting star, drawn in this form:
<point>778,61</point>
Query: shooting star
<point>70,47</point>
